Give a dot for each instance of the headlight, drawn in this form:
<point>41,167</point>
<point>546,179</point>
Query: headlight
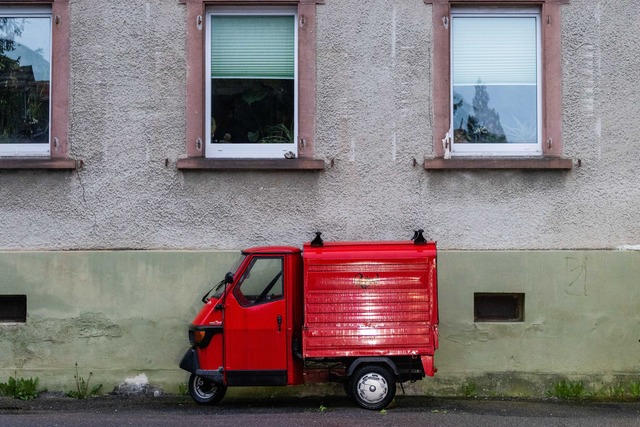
<point>198,337</point>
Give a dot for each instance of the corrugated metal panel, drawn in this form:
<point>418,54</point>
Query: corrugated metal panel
<point>369,300</point>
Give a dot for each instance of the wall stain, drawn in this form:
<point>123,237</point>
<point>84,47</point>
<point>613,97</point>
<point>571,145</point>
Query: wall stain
<point>470,336</point>
<point>37,330</point>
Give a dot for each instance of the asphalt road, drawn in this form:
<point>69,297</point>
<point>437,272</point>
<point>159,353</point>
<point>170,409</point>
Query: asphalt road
<point>328,411</point>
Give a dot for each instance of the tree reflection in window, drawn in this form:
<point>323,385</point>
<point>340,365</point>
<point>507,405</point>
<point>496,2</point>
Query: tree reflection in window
<point>481,126</point>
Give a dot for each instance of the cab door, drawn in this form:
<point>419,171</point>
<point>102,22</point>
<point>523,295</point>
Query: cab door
<point>255,325</point>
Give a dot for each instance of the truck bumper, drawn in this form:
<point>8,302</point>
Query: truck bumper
<point>428,366</point>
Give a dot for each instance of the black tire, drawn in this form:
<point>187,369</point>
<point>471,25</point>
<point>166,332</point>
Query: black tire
<point>204,391</point>
<point>373,387</point>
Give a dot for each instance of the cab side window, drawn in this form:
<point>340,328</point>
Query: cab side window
<point>261,282</point>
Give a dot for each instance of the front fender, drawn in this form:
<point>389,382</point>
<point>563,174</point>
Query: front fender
<point>189,361</point>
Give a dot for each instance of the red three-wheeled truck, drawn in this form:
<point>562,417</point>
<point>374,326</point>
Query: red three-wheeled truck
<point>361,313</point>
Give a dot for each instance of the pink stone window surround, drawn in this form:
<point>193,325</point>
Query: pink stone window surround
<point>550,81</point>
<point>59,122</point>
<point>195,57</point>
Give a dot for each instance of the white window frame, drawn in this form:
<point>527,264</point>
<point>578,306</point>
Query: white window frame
<point>31,149</point>
<point>248,150</point>
<point>499,149</point>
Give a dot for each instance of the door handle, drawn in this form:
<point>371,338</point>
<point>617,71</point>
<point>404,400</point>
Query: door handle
<point>279,323</point>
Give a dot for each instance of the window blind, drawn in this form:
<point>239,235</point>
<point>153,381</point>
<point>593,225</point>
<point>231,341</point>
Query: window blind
<point>494,50</point>
<point>252,47</point>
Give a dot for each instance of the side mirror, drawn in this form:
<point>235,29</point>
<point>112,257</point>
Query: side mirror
<point>228,278</point>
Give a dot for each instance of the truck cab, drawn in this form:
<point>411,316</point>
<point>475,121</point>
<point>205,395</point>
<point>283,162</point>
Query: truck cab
<point>361,313</point>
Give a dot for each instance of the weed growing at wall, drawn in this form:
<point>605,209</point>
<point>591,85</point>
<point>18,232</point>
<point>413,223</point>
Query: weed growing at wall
<point>469,390</point>
<point>82,390</point>
<point>619,392</point>
<point>20,388</point>
<point>183,390</point>
<point>614,392</point>
<point>567,390</point>
<point>634,389</point>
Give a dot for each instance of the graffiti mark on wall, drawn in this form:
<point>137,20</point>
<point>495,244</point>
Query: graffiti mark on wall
<point>576,272</point>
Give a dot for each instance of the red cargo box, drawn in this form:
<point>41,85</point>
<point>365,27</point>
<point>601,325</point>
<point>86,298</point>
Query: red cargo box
<point>370,299</point>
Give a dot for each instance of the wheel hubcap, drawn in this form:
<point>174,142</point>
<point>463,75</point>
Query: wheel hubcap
<point>204,388</point>
<point>372,388</point>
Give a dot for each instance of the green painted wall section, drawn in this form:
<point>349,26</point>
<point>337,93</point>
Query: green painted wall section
<point>122,313</point>
<point>581,321</point>
<point>115,313</point>
<point>582,312</point>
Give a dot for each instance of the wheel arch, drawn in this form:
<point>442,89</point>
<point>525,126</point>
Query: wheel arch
<point>380,361</point>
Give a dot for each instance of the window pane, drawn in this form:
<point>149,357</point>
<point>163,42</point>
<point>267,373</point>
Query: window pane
<point>494,50</point>
<point>252,111</point>
<point>252,46</point>
<point>25,44</point>
<point>262,282</point>
<point>495,78</point>
<point>252,92</point>
<point>495,114</point>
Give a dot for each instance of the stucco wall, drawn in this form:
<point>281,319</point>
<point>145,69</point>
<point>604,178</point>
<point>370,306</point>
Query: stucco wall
<point>373,118</point>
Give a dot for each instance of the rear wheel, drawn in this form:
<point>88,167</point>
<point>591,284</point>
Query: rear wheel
<point>373,387</point>
<point>204,391</point>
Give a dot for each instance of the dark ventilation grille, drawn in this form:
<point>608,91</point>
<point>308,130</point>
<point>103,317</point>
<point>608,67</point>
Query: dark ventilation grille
<point>13,308</point>
<point>498,307</point>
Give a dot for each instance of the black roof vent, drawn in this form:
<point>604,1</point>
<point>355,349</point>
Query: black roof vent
<point>418,238</point>
<point>318,240</point>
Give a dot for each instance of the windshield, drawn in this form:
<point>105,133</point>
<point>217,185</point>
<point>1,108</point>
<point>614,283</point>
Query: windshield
<point>219,289</point>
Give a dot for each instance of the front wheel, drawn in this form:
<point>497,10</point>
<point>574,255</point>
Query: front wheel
<point>204,391</point>
<point>373,387</point>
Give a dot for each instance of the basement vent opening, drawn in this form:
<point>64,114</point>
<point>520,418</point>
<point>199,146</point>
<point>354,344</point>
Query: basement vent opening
<point>13,308</point>
<point>498,307</point>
